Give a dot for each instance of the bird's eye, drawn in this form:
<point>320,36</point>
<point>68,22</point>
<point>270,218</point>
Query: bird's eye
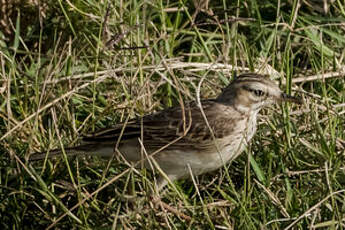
<point>258,93</point>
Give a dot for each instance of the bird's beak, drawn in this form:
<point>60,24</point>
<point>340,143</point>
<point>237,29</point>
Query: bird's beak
<point>289,98</point>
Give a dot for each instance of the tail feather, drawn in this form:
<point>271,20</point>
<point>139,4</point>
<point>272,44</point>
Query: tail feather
<point>85,149</point>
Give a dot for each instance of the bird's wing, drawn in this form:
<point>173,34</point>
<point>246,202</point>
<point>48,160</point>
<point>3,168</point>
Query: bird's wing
<point>170,128</point>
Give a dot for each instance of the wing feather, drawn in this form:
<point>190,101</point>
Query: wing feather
<point>187,125</point>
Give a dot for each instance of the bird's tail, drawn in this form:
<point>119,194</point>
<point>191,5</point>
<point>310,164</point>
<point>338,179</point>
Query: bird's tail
<point>84,149</point>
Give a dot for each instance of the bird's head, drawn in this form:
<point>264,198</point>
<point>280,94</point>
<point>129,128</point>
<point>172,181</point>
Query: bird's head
<point>253,92</point>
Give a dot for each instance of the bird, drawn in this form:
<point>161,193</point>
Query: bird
<point>190,139</point>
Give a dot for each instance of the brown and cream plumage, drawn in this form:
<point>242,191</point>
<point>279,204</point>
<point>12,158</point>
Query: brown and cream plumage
<point>188,136</point>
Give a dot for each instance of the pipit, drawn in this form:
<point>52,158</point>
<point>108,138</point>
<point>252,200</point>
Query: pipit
<point>194,138</point>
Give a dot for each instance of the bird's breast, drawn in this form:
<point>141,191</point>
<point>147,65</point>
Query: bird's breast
<point>231,146</point>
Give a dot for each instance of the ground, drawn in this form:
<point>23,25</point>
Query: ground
<point>77,66</point>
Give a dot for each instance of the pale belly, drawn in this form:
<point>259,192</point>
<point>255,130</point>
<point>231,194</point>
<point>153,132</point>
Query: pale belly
<point>182,163</point>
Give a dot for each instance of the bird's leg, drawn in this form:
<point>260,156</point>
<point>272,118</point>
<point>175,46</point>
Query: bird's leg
<point>162,182</point>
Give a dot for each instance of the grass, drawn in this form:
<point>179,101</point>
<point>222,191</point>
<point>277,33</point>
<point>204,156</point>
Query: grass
<point>96,63</point>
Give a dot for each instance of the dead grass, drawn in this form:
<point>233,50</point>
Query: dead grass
<point>95,64</point>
